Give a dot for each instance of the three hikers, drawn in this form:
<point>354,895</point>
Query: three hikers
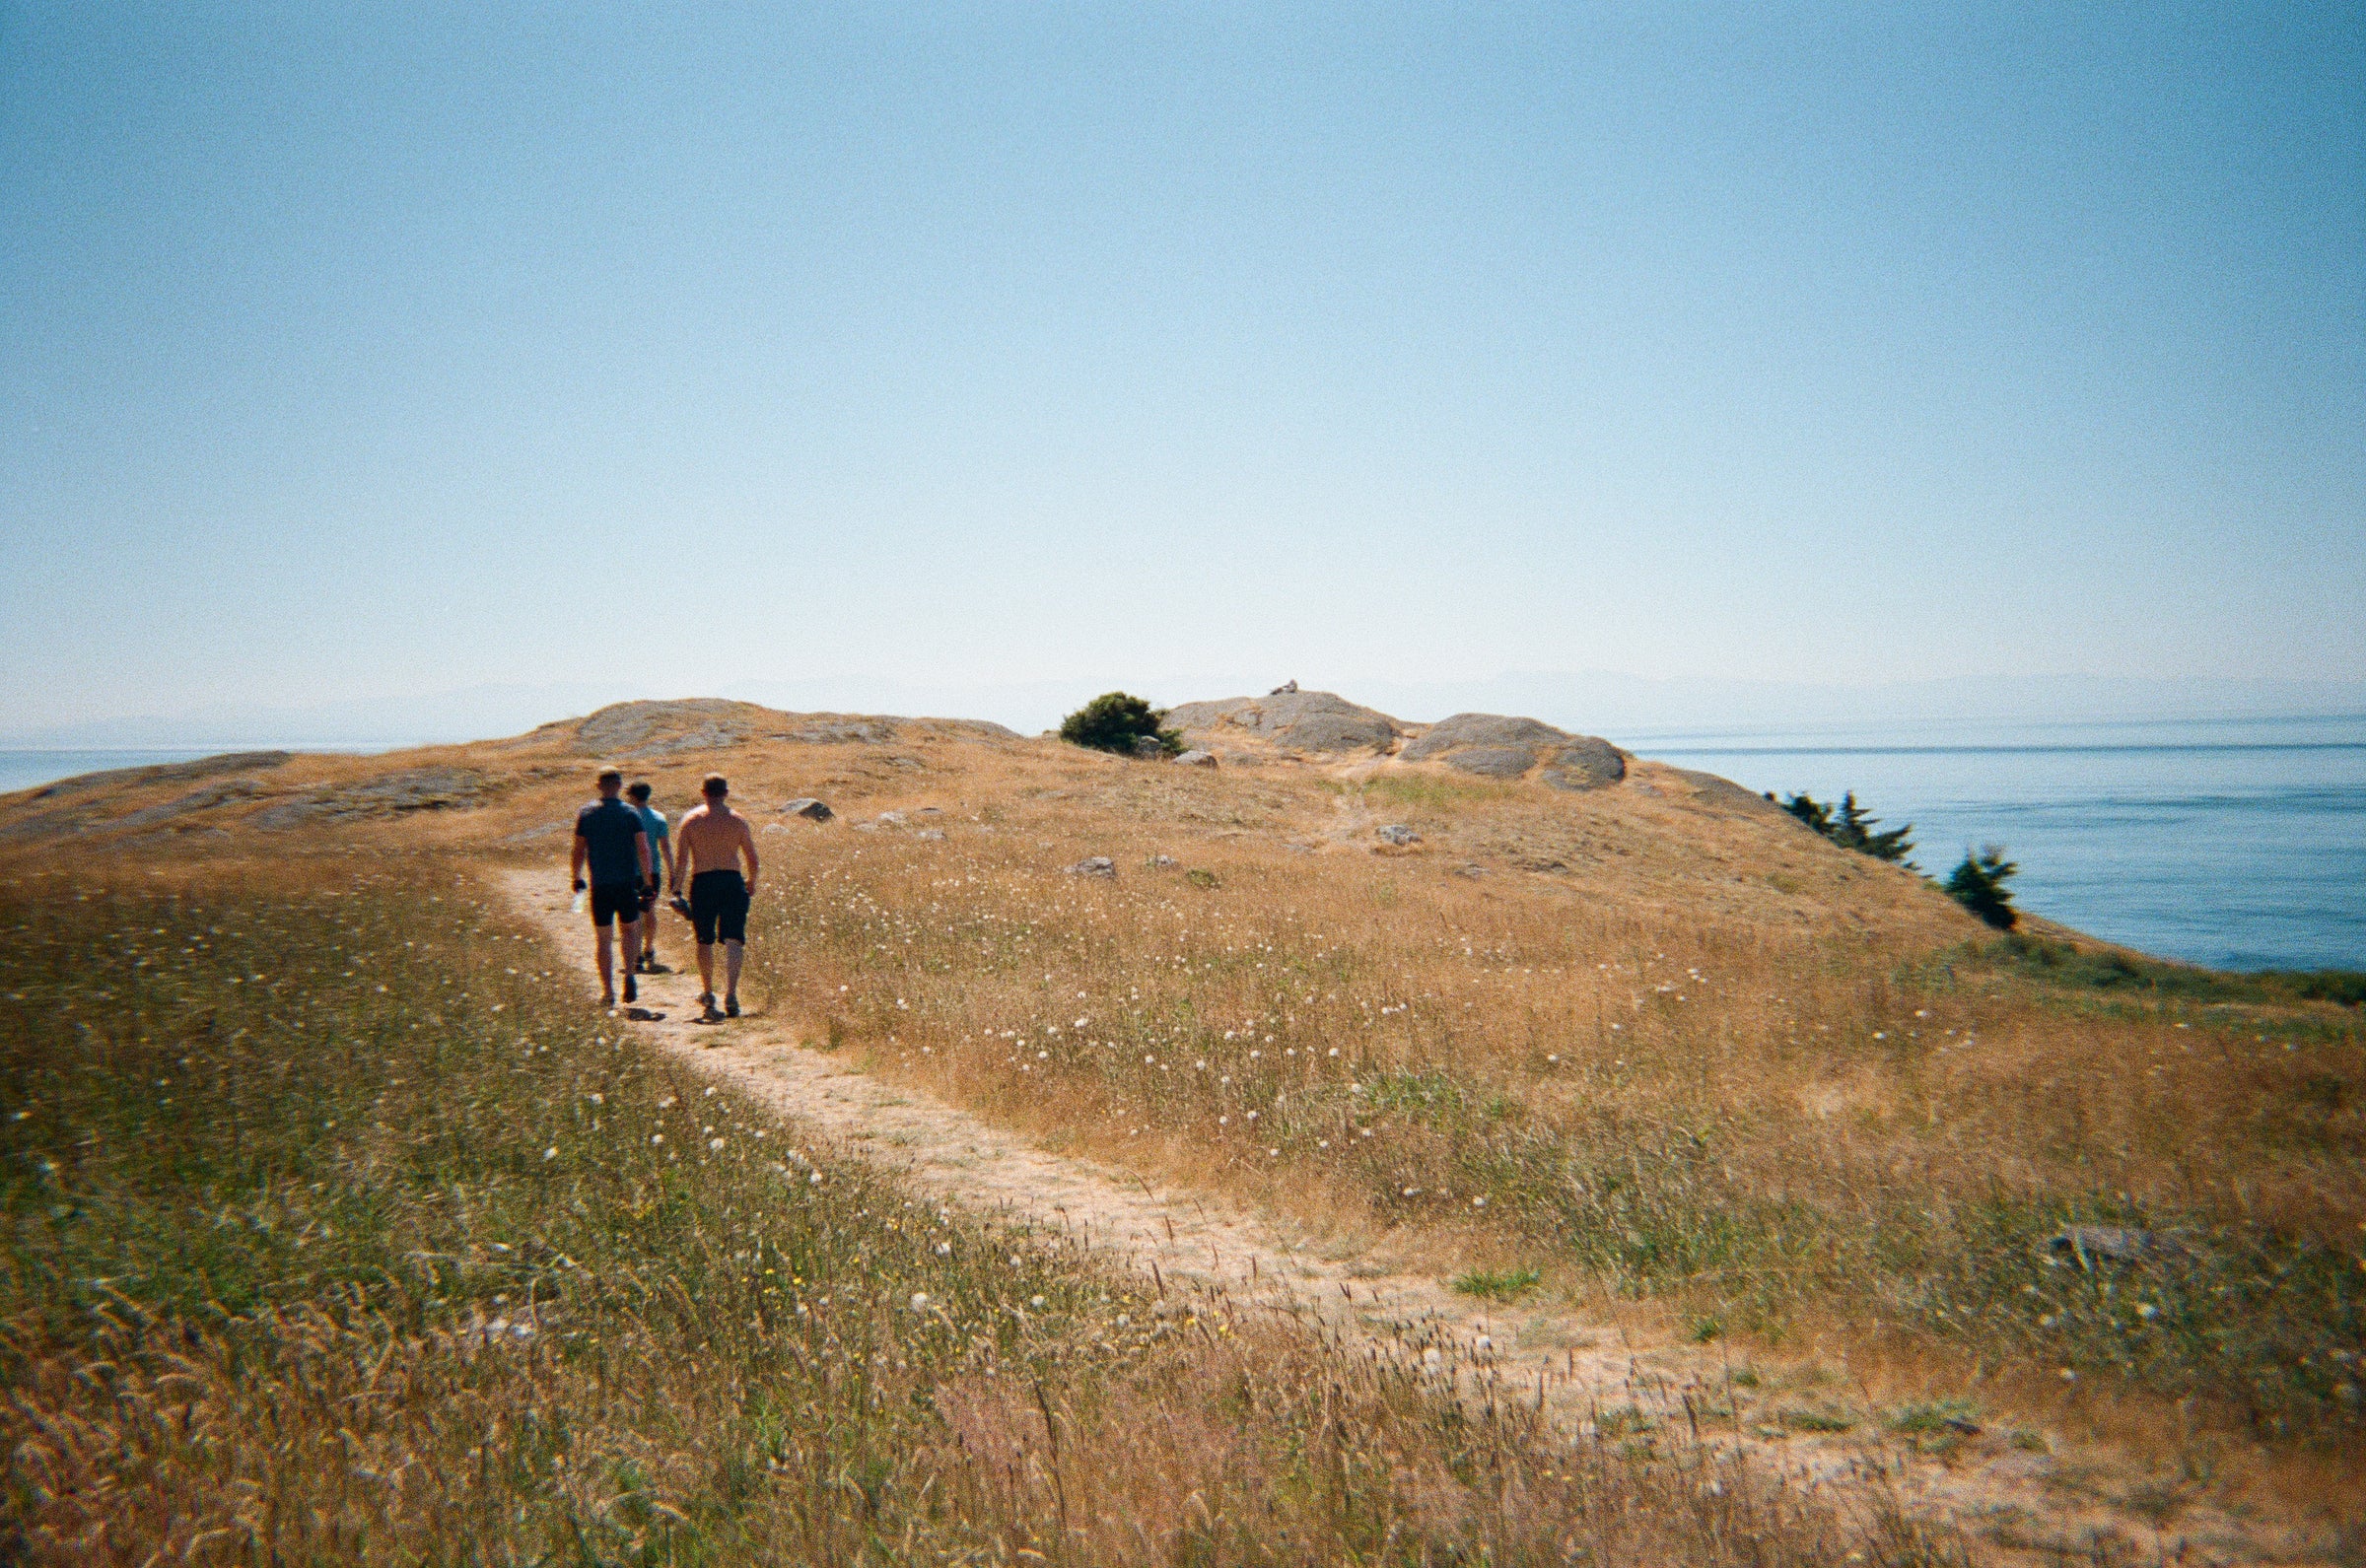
<point>612,845</point>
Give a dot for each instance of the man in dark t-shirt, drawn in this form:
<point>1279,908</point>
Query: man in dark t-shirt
<point>610,842</point>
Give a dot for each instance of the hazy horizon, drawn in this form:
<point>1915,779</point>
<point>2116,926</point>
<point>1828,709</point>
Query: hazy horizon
<point>1614,703</point>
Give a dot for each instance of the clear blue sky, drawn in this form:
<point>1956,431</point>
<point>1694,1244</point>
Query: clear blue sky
<point>367,350</point>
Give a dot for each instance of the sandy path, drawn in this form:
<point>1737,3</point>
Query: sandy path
<point>1578,1370</point>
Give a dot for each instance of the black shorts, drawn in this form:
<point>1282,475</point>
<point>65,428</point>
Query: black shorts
<point>718,906</point>
<point>614,901</point>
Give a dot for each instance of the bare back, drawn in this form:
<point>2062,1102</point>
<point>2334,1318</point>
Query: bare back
<point>712,838</point>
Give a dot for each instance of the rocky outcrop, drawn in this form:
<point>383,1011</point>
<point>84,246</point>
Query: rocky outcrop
<point>162,773</point>
<point>1495,746</point>
<point>642,729</point>
<point>808,808</point>
<point>394,794</point>
<point>1322,721</point>
<point>659,728</point>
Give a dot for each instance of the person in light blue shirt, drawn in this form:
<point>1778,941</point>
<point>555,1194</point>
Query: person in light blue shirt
<point>652,823</point>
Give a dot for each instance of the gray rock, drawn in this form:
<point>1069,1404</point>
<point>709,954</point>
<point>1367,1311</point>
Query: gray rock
<point>1197,759</point>
<point>1163,863</point>
<point>1710,790</point>
<point>1492,762</point>
<point>1585,762</point>
<point>891,819</point>
<point>390,796</point>
<point>1399,834</point>
<point>1470,870</point>
<point>162,773</point>
<point>2110,1244</point>
<point>1303,721</point>
<point>808,808</point>
<point>1095,865</point>
<point>643,727</point>
<point>213,794</point>
<point>1498,746</point>
<point>930,833</point>
<point>1149,747</point>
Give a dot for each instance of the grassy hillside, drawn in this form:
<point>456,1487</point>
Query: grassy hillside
<point>1654,1045</point>
<point>325,1239</point>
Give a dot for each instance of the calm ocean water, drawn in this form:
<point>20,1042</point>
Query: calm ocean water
<point>2237,844</point>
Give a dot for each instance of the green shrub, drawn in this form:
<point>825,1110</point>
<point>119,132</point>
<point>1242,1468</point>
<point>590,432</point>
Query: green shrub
<point>1978,886</point>
<point>1118,721</point>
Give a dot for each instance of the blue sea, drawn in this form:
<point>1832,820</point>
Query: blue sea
<point>2240,844</point>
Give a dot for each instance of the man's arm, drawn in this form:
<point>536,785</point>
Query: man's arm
<point>747,846</point>
<point>574,862</point>
<point>641,848</point>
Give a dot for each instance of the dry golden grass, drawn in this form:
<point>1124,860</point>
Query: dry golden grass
<point>328,1235</point>
<point>1679,1056</point>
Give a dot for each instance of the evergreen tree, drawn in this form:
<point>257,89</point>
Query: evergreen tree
<point>1978,886</point>
<point>1116,721</point>
<point>1853,828</point>
<point>1808,809</point>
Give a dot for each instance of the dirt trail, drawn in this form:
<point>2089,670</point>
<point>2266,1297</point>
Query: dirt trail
<point>1591,1376</point>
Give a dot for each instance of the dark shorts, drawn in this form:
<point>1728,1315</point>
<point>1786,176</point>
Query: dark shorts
<point>615,900</point>
<point>718,906</point>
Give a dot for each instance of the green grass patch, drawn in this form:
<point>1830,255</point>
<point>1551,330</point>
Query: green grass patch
<point>1498,1284</point>
<point>2064,965</point>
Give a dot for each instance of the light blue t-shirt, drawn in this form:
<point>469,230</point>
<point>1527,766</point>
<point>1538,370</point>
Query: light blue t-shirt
<point>652,823</point>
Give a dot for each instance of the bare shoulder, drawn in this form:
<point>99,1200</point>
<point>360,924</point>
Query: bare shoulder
<point>746,829</point>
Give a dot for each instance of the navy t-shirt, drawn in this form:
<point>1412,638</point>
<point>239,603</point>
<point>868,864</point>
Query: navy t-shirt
<point>608,829</point>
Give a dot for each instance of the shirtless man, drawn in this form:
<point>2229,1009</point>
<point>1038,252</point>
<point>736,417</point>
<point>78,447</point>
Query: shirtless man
<point>709,840</point>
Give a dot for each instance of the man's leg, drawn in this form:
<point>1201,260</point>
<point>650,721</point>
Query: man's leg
<point>632,956</point>
<point>607,966</point>
<point>732,953</point>
<point>706,971</point>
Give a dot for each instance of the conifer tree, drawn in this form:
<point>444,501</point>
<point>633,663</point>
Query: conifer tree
<point>1853,828</point>
<point>1978,886</point>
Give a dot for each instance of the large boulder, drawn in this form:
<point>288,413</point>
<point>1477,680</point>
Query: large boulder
<point>1289,720</point>
<point>647,728</point>
<point>1498,746</point>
